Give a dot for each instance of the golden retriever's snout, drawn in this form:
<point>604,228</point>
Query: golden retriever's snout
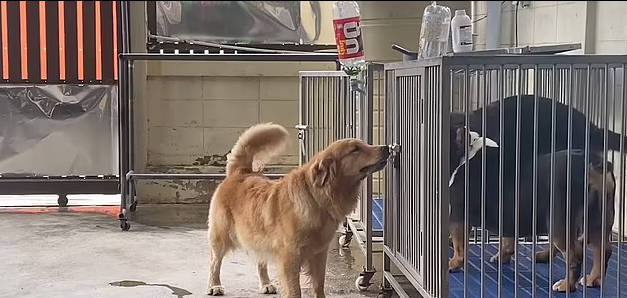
<point>383,153</point>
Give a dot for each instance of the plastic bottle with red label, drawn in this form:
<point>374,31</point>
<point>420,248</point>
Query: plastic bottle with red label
<point>348,37</point>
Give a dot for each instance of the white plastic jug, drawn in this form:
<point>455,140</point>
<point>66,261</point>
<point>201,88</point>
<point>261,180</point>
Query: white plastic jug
<point>461,31</point>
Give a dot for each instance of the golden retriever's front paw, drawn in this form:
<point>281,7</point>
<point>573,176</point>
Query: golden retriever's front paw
<point>215,290</point>
<point>268,289</point>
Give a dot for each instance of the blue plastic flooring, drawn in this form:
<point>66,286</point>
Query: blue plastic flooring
<point>377,214</point>
<point>525,275</point>
<point>543,285</point>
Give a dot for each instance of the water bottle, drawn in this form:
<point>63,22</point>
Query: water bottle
<point>350,45</point>
<point>434,33</point>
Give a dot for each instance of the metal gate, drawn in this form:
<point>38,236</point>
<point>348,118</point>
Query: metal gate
<point>500,144</point>
<point>415,217</point>
<point>58,96</point>
<point>332,107</point>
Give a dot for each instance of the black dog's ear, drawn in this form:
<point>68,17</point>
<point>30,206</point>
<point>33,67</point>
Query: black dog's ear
<point>457,119</point>
<point>324,170</point>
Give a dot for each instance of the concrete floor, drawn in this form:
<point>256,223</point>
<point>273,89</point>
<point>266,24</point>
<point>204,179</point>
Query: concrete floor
<point>85,254</point>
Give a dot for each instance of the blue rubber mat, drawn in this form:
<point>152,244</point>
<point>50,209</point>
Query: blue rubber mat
<point>377,214</point>
<point>525,274</point>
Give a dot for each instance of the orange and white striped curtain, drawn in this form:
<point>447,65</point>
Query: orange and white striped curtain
<point>58,42</point>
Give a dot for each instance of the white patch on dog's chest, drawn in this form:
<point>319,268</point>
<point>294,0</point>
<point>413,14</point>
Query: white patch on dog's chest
<point>476,143</point>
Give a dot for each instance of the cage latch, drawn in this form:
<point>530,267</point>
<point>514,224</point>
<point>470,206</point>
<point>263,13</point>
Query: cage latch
<point>302,128</point>
<point>395,150</point>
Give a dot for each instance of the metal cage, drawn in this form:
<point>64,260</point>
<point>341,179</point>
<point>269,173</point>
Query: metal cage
<point>505,145</point>
<point>332,108</point>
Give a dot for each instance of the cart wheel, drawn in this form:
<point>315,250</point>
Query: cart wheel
<point>359,284</point>
<point>133,207</point>
<point>345,240</point>
<point>125,226</point>
<point>62,200</point>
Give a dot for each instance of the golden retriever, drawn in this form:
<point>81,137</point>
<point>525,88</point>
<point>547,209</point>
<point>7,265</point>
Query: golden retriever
<point>292,220</point>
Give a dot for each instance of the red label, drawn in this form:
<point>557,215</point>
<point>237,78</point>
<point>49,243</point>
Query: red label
<point>348,38</point>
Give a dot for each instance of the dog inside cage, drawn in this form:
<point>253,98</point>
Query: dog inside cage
<point>520,161</point>
<point>550,178</point>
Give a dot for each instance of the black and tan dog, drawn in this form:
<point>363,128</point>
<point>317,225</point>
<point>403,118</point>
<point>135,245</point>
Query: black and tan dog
<point>570,246</point>
<point>600,184</point>
<point>508,144</point>
<point>543,125</point>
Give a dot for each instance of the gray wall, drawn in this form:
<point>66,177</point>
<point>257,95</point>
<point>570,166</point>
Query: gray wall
<point>600,26</point>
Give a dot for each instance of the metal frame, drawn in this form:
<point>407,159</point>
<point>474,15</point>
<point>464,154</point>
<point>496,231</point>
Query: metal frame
<point>420,98</point>
<point>128,175</point>
<point>361,225</point>
<point>59,185</point>
<point>325,93</point>
<point>413,123</point>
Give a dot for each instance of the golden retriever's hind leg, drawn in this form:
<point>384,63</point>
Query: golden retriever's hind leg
<point>215,287</point>
<point>316,270</point>
<point>265,285</point>
<point>220,244</point>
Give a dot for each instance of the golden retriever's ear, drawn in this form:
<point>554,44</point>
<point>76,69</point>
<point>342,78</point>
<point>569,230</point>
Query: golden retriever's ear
<point>323,171</point>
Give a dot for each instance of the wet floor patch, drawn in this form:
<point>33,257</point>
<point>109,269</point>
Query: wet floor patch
<point>176,291</point>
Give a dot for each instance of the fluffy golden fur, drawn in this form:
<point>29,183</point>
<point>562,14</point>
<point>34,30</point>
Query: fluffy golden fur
<point>292,220</point>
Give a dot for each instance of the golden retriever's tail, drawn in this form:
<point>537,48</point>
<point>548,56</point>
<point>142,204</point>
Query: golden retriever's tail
<point>255,147</point>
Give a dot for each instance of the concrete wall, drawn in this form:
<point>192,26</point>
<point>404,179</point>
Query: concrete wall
<point>198,110</point>
<point>540,23</point>
<point>600,26</point>
<point>611,29</point>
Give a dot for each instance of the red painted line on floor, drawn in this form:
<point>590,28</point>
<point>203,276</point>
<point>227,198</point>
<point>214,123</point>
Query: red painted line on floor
<point>107,210</point>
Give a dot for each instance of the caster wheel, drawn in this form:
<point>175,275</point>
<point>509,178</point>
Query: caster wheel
<point>382,295</point>
<point>359,284</point>
<point>125,226</point>
<point>133,207</point>
<point>62,200</point>
<point>344,241</point>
